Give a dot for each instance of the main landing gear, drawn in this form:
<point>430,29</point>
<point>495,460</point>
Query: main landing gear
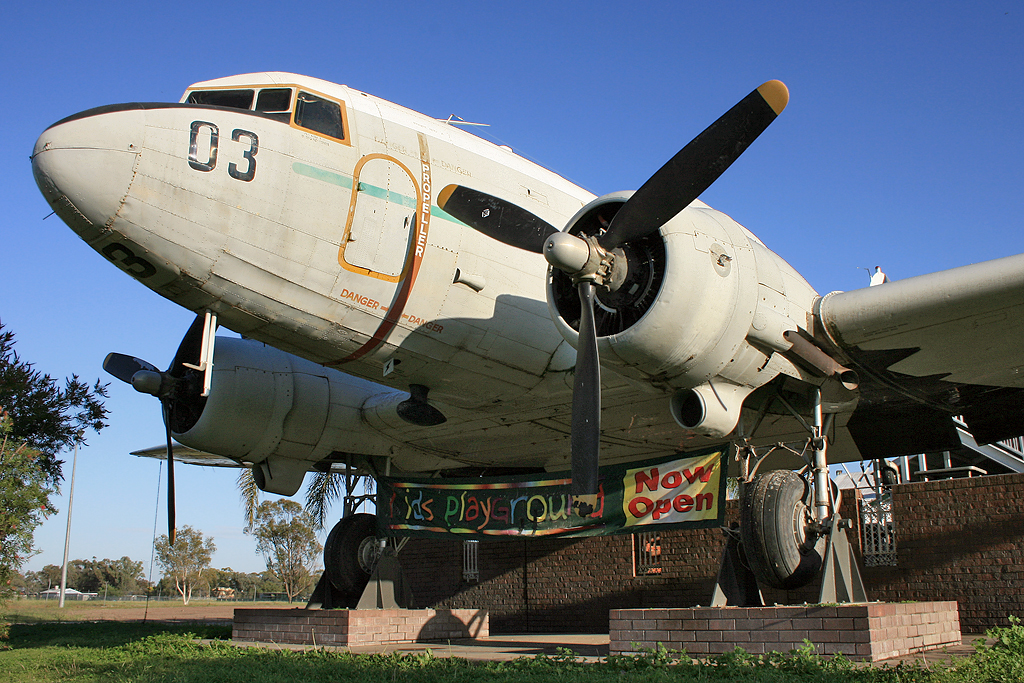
<point>790,528</point>
<point>350,553</point>
<point>360,569</point>
<point>785,546</point>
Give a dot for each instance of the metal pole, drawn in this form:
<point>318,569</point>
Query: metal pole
<point>67,534</point>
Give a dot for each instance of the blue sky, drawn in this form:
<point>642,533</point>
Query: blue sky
<point>901,147</point>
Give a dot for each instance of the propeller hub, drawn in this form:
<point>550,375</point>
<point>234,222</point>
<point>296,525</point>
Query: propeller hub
<point>147,382</point>
<point>582,258</point>
<point>568,253</point>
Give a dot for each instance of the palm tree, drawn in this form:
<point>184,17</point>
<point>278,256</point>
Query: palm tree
<point>323,489</point>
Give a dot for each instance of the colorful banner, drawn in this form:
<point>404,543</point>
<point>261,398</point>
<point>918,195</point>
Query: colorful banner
<point>679,491</point>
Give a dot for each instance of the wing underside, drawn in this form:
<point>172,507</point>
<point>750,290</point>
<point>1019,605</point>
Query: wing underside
<point>930,348</point>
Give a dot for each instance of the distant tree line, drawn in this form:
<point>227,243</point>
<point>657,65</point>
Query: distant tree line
<point>284,536</point>
<point>113,577</point>
<point>83,575</point>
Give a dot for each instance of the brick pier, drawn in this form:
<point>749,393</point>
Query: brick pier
<point>350,627</point>
<point>872,631</point>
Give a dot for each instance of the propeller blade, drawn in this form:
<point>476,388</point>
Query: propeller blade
<point>586,400</point>
<point>496,218</point>
<point>167,408</point>
<point>124,367</point>
<point>696,166</point>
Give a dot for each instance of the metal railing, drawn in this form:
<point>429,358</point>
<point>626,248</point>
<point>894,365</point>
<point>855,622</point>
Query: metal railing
<point>878,532</point>
<point>647,553</point>
<point>471,560</point>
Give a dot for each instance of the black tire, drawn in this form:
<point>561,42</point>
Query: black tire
<point>775,516</point>
<point>348,553</point>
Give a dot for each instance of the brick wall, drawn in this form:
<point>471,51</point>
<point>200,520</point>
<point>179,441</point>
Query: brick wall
<point>960,540</point>
<point>957,540</point>
<point>874,631</point>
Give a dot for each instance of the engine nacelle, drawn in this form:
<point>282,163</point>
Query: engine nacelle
<point>283,413</point>
<point>704,305</point>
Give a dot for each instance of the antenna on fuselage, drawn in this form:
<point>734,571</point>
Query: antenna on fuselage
<point>454,120</point>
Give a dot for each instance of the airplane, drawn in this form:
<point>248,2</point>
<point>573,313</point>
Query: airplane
<point>412,298</point>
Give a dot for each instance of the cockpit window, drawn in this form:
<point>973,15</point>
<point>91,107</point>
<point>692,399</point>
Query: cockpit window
<point>236,99</point>
<point>312,112</point>
<point>319,115</point>
<point>275,102</point>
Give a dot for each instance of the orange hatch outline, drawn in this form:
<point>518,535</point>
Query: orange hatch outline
<point>352,214</point>
<point>417,249</point>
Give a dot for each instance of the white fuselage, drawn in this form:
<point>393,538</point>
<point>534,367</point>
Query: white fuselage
<point>333,249</point>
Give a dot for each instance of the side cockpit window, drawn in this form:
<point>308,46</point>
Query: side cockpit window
<point>275,102</point>
<point>319,115</point>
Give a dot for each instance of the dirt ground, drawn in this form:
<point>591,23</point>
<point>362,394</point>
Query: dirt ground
<point>156,611</point>
<point>159,612</point>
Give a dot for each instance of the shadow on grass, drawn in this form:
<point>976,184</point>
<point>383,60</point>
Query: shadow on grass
<point>103,633</point>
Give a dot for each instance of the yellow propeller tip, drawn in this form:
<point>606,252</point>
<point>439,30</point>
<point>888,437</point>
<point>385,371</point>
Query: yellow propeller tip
<point>776,94</point>
<point>444,195</point>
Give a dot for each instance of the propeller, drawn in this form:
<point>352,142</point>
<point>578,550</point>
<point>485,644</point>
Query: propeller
<point>177,389</point>
<point>496,218</point>
<point>598,260</point>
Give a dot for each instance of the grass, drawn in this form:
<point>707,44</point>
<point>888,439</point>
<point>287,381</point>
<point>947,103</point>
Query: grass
<point>135,652</point>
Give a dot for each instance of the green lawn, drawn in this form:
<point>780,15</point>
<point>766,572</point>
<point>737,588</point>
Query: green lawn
<point>115,651</point>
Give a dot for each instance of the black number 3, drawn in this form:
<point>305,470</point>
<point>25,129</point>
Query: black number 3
<point>250,155</point>
<point>134,265</point>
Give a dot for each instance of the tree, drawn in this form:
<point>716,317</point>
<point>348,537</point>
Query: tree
<point>115,577</point>
<point>323,489</point>
<point>47,418</point>
<point>284,535</point>
<point>48,577</point>
<point>40,419</point>
<point>185,561</point>
<point>24,502</point>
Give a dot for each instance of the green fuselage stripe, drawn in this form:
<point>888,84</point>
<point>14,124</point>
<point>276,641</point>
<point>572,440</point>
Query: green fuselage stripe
<point>372,190</point>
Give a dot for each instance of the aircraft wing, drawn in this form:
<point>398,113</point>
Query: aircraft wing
<point>188,455</point>
<point>929,348</point>
<point>192,456</point>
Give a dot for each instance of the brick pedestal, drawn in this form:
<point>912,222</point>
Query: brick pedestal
<point>358,627</point>
<point>872,631</point>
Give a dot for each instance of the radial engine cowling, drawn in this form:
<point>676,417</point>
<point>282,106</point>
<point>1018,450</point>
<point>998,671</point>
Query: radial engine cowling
<point>701,311</point>
<point>282,413</point>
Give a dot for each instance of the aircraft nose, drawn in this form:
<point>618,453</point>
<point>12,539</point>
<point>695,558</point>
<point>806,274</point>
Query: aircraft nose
<point>84,166</point>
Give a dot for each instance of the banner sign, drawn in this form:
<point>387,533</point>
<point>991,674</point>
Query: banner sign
<point>679,491</point>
